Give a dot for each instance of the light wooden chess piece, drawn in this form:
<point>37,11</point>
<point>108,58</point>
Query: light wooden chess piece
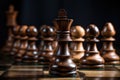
<point>107,51</point>
<point>77,49</point>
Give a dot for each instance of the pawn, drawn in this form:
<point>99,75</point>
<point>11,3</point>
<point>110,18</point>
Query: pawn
<point>46,50</point>
<point>41,44</point>
<point>76,47</point>
<point>16,44</point>
<point>92,58</point>
<point>31,54</point>
<point>107,51</point>
<point>23,44</point>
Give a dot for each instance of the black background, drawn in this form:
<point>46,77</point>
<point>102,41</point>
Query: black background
<point>84,12</point>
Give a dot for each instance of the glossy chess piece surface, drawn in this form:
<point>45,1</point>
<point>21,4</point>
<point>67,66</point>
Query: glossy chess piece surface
<point>40,37</point>
<point>46,52</point>
<point>108,51</point>
<point>76,46</point>
<point>63,65</point>
<point>92,58</point>
<point>16,44</point>
<point>23,44</point>
<point>31,54</point>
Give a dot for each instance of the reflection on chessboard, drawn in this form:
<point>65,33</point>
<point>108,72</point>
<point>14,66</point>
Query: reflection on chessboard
<point>33,72</point>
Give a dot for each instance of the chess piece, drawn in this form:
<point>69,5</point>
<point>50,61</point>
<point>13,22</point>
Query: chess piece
<point>107,51</point>
<point>46,52</point>
<point>16,43</point>
<point>11,22</point>
<point>55,42</point>
<point>77,49</point>
<point>92,58</point>
<point>63,65</point>
<point>31,54</point>
<point>41,37</point>
<point>23,44</point>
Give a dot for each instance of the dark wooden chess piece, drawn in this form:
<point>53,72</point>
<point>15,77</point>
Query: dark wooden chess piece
<point>23,44</point>
<point>41,44</point>
<point>46,52</point>
<point>16,44</point>
<point>11,22</point>
<point>92,58</point>
<point>107,51</point>
<point>31,54</point>
<point>76,46</point>
<point>63,65</point>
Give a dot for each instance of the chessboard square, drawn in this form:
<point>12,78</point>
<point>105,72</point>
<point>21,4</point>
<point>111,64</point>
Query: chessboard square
<point>101,73</point>
<point>25,68</point>
<point>22,74</point>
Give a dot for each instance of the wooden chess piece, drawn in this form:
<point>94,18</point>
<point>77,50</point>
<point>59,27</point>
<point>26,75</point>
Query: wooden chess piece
<point>107,51</point>
<point>16,44</point>
<point>77,49</point>
<point>31,54</point>
<point>63,65</point>
<point>92,58</point>
<point>41,44</point>
<point>11,22</point>
<point>23,44</point>
<point>55,42</point>
<point>46,52</point>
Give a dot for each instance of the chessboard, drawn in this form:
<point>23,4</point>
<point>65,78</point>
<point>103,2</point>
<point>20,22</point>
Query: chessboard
<point>40,72</point>
<point>62,47</point>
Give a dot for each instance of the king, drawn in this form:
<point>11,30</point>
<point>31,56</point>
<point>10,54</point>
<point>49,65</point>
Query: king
<point>63,65</point>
